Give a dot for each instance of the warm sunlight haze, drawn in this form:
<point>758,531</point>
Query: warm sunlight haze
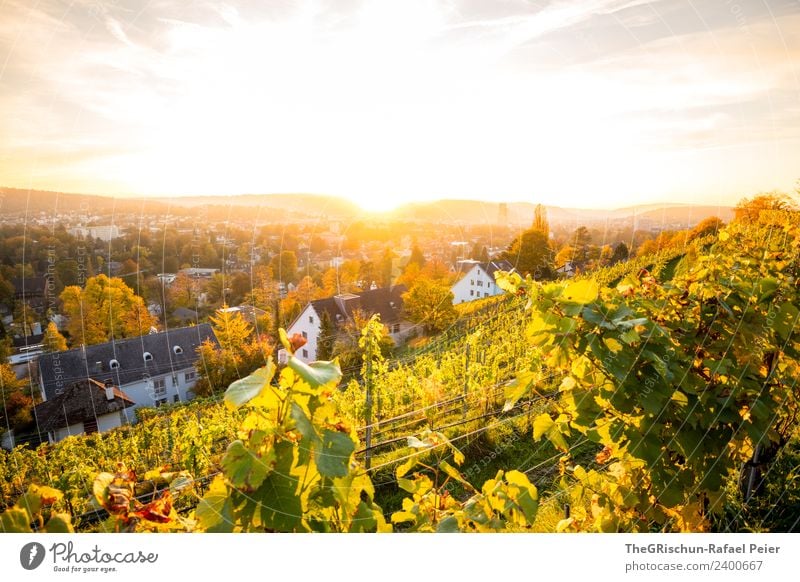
<point>602,103</point>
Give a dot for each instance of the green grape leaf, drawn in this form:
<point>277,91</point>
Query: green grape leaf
<point>403,469</point>
<point>303,424</point>
<point>316,374</point>
<point>448,525</point>
<point>15,520</point>
<point>100,488</point>
<point>786,321</point>
<point>214,512</point>
<point>541,426</point>
<point>245,389</point>
<point>581,292</point>
<point>333,455</point>
<point>455,474</point>
<point>245,469</point>
<point>59,523</point>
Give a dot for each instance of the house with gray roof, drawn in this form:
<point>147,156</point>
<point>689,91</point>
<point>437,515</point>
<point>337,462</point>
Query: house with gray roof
<point>84,407</point>
<point>151,369</point>
<point>340,309</point>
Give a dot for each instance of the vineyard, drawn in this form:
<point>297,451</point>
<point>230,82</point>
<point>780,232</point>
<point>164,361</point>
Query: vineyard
<point>658,394</point>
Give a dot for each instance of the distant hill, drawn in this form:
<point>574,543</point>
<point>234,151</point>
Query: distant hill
<point>16,201</point>
<point>520,213</point>
<point>302,204</point>
<point>279,207</point>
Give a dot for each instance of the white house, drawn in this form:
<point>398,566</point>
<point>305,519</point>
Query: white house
<point>104,233</point>
<point>478,281</point>
<point>339,309</point>
<point>85,407</point>
<point>151,370</point>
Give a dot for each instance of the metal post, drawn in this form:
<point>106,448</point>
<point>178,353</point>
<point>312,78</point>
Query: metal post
<point>751,478</point>
<point>368,413</point>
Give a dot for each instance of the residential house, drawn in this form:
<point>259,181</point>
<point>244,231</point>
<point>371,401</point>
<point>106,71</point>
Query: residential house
<point>32,290</point>
<point>566,270</point>
<point>250,313</point>
<point>199,273</point>
<point>478,280</point>
<point>340,309</point>
<point>84,407</point>
<point>151,369</point>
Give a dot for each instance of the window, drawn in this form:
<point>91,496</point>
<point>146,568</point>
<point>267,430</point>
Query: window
<point>472,281</point>
<point>160,401</point>
<point>189,376</point>
<point>159,387</point>
<point>178,350</point>
<point>472,293</point>
<point>305,353</point>
<point>147,357</point>
<point>310,319</point>
<point>114,365</point>
<point>485,294</point>
<point>480,283</point>
<point>90,426</point>
<point>305,335</point>
<point>176,398</point>
<point>395,328</point>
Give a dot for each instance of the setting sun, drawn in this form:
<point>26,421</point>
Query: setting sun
<point>386,103</point>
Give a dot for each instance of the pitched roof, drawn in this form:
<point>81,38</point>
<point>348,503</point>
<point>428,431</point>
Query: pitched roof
<point>386,302</point>
<point>81,401</point>
<point>498,265</point>
<point>60,369</point>
<point>31,286</point>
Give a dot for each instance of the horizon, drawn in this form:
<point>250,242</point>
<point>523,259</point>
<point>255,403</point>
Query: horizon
<point>602,104</point>
<point>165,199</point>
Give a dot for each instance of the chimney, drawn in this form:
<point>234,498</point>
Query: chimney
<point>109,390</point>
<point>36,328</point>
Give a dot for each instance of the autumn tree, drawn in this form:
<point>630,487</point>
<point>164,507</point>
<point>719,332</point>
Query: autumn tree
<point>284,266</point>
<point>53,340</point>
<point>710,225</point>
<point>238,354</point>
<point>540,222</point>
<point>530,253</point>
<point>620,253</point>
<point>417,257</point>
<point>430,304</point>
<point>105,308</point>
<point>230,328</point>
<point>749,209</point>
<point>16,411</point>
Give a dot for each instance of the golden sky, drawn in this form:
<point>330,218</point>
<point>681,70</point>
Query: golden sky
<point>593,103</point>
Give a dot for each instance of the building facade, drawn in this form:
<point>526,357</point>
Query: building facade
<point>151,370</point>
<point>478,281</point>
<point>340,309</point>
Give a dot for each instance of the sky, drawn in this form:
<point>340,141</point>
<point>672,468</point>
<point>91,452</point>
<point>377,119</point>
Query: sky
<point>596,103</point>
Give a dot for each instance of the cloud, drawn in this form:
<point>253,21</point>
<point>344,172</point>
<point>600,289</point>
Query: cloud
<point>419,97</point>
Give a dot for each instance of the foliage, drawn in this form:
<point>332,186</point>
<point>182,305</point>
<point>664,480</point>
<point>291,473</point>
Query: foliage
<point>36,511</point>
<point>749,209</point>
<point>105,308</point>
<point>53,340</point>
<point>121,495</point>
<point>677,383</point>
<point>530,253</point>
<point>509,502</point>
<point>430,304</point>
<point>230,329</point>
<point>291,468</point>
